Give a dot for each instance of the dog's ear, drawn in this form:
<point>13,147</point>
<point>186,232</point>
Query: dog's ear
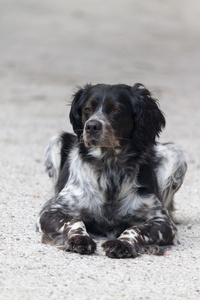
<point>149,119</point>
<point>75,114</point>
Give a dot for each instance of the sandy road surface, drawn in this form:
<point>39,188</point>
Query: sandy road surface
<point>46,49</point>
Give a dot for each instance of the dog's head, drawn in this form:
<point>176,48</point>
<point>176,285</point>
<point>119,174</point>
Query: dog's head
<point>114,115</point>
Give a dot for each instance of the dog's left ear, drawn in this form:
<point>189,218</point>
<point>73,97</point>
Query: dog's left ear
<point>148,118</point>
<point>75,114</point>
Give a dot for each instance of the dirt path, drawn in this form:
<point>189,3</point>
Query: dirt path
<point>46,49</point>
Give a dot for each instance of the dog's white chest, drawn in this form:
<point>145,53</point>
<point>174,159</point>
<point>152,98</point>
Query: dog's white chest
<point>89,190</point>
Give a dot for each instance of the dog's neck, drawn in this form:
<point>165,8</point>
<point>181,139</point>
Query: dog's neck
<point>120,156</point>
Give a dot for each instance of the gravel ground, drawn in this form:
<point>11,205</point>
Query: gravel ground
<point>46,49</point>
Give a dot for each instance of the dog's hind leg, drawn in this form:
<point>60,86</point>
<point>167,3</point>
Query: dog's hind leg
<point>53,158</point>
<point>170,171</point>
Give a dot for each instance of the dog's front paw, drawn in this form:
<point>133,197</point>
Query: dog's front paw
<point>82,244</point>
<point>119,249</point>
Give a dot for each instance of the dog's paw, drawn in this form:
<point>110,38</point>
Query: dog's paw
<point>119,249</point>
<point>82,244</point>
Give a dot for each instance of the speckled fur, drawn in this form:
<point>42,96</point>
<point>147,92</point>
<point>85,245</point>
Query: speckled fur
<point>111,178</point>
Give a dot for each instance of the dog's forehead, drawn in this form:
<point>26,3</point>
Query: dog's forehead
<point>108,94</point>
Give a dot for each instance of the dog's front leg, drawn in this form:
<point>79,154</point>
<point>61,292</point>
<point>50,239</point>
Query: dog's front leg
<point>65,232</point>
<point>146,238</point>
<point>78,238</point>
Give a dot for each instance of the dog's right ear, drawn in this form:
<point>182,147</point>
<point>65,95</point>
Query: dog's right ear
<point>75,114</point>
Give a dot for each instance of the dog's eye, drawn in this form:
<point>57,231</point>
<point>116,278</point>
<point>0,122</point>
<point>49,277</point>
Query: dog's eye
<point>87,110</point>
<point>116,111</point>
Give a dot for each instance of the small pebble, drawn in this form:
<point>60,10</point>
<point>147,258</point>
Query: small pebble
<point>189,226</point>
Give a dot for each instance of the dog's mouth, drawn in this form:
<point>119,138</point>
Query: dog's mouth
<point>100,141</point>
<point>91,143</point>
<point>97,143</point>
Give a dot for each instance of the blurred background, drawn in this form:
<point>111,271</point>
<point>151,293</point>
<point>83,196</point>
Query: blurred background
<point>47,48</point>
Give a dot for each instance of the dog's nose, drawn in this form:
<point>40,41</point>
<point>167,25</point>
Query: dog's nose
<point>93,126</point>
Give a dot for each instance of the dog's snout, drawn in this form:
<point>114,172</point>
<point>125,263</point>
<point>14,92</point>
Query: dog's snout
<point>93,126</point>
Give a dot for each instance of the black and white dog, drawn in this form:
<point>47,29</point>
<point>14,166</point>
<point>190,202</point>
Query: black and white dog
<point>111,177</point>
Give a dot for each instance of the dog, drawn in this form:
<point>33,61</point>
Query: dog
<point>111,177</point>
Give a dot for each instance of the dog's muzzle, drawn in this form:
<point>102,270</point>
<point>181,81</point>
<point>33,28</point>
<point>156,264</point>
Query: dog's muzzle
<point>92,133</point>
<point>99,133</point>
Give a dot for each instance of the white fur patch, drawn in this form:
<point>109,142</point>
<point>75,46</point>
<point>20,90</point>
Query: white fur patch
<point>160,236</point>
<point>82,185</point>
<point>76,225</point>
<point>73,229</point>
<point>129,235</point>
